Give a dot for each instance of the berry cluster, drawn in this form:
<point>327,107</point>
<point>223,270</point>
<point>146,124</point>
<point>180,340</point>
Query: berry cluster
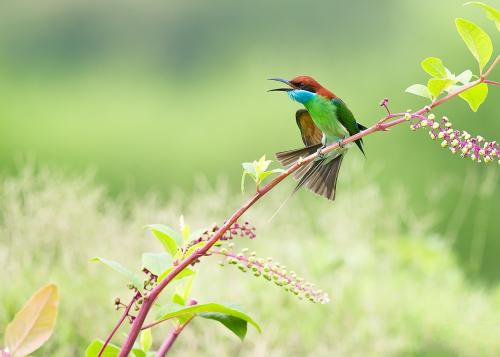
<point>477,148</point>
<point>236,230</point>
<point>274,272</point>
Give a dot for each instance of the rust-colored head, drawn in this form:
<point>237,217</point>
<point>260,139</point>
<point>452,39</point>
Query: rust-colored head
<point>307,83</point>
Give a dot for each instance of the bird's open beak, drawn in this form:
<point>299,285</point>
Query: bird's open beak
<point>281,89</point>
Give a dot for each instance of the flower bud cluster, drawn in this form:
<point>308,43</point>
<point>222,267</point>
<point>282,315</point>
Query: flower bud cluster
<point>477,148</point>
<point>236,230</point>
<point>275,272</point>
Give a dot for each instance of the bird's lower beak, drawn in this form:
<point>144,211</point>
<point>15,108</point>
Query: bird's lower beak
<point>280,89</point>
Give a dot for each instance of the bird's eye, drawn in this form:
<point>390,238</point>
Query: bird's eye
<point>301,85</point>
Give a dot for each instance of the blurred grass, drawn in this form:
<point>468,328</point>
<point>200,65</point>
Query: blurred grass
<point>395,285</point>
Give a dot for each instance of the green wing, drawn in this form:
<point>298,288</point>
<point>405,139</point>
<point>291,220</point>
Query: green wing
<point>346,118</point>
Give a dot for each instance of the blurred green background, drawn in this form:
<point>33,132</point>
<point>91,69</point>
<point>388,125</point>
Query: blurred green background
<point>154,96</point>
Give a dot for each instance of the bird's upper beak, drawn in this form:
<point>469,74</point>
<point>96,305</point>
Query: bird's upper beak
<point>281,89</point>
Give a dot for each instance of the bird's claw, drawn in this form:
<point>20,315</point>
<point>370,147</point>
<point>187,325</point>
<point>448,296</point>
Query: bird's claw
<point>341,145</point>
<point>320,155</point>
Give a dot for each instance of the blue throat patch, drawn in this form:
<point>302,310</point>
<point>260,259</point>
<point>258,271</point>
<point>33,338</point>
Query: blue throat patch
<point>301,96</point>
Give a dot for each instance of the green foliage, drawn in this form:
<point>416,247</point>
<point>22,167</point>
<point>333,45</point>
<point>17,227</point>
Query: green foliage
<point>95,346</point>
<point>178,246</point>
<point>437,86</point>
<point>420,90</point>
<point>156,263</point>
<point>464,77</point>
<point>491,13</point>
<point>184,273</point>
<point>168,237</point>
<point>434,66</point>
<point>132,278</point>
<point>478,41</point>
<point>475,96</point>
<point>257,170</point>
<point>34,322</point>
<point>183,292</point>
<point>146,340</point>
<point>111,350</point>
<point>443,80</point>
<point>234,323</point>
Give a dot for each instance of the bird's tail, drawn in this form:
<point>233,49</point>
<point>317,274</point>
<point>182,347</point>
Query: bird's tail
<point>319,176</point>
<point>287,158</point>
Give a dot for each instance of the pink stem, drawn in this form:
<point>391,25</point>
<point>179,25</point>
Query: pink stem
<point>380,126</point>
<point>491,82</point>
<point>117,326</point>
<point>176,331</point>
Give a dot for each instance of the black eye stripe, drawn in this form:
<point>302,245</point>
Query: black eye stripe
<point>308,88</point>
<point>304,86</point>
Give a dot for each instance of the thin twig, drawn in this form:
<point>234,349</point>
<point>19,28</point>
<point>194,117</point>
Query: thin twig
<point>379,126</point>
<point>117,326</point>
<point>491,82</point>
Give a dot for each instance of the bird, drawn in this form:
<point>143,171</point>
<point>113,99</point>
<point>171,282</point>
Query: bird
<point>325,120</point>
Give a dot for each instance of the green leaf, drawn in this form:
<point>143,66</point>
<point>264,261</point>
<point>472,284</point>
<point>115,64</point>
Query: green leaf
<point>32,326</point>
<point>475,96</point>
<point>167,236</point>
<point>478,41</point>
<point>182,294</point>
<point>491,13</point>
<point>110,351</point>
<point>235,324</point>
<point>146,340</point>
<point>136,352</point>
<point>464,77</point>
<point>210,307</point>
<point>420,90</point>
<point>437,85</point>
<point>434,66</point>
<point>134,279</point>
<point>156,263</point>
<point>95,346</point>
<point>264,174</point>
<point>249,168</point>
<point>184,273</point>
<point>261,165</point>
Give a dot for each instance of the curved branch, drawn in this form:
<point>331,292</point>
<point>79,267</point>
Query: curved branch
<point>381,125</point>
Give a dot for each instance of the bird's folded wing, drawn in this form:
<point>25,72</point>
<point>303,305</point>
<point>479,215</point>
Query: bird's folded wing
<point>346,118</point>
<point>311,135</point>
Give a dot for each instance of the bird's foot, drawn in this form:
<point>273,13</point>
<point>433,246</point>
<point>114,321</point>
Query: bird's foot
<point>341,145</point>
<point>320,155</point>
